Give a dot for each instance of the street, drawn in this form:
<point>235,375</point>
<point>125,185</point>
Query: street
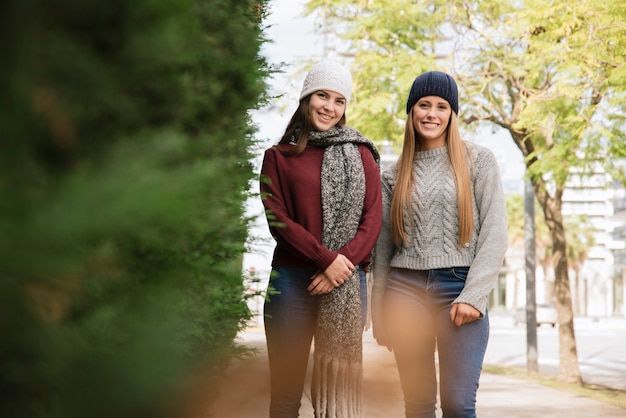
<point>600,344</point>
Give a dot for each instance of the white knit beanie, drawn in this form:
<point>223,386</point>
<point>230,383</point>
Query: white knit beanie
<point>328,75</point>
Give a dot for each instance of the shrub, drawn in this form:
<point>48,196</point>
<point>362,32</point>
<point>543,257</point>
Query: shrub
<point>124,168</point>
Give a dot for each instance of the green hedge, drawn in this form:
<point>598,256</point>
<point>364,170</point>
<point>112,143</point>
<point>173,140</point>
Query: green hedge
<point>124,168</point>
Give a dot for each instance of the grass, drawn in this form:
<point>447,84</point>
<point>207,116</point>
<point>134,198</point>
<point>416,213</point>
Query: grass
<point>597,392</point>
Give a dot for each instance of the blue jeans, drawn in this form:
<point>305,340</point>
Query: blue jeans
<point>290,319</point>
<point>417,317</point>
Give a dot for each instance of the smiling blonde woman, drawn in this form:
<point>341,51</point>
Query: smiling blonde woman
<point>441,247</point>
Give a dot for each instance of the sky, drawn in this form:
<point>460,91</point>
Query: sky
<point>293,42</point>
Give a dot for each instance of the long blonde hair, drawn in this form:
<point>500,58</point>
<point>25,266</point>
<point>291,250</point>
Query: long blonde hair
<point>401,198</point>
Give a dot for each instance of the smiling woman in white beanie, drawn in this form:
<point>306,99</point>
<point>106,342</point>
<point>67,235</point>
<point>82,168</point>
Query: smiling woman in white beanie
<point>321,190</point>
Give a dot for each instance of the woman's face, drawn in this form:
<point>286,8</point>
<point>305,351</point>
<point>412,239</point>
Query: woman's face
<point>327,108</point>
<point>431,116</point>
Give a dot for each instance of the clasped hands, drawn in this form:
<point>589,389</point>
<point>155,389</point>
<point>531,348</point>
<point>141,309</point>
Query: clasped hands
<point>340,270</point>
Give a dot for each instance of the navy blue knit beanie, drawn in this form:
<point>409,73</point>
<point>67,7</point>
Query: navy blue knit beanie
<point>434,83</point>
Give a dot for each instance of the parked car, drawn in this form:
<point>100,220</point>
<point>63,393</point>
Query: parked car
<point>546,314</point>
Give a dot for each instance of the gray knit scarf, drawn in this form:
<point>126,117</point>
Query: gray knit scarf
<point>338,363</point>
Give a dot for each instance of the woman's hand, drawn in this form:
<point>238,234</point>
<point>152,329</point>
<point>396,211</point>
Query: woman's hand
<point>462,313</point>
<point>340,270</point>
<point>380,336</point>
<point>320,284</point>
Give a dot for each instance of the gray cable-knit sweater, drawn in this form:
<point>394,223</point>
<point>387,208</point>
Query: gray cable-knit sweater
<point>433,233</point>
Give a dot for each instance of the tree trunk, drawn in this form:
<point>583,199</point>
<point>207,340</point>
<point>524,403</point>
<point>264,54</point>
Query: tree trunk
<point>577,269</point>
<point>569,370</point>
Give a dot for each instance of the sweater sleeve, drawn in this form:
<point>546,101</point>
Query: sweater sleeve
<point>359,249</point>
<point>492,240</point>
<point>283,227</point>
<point>383,252</point>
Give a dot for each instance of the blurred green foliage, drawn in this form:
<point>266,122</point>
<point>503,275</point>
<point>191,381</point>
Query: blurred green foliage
<point>125,149</point>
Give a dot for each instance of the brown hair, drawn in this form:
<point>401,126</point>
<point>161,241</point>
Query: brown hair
<point>458,153</point>
<point>299,127</point>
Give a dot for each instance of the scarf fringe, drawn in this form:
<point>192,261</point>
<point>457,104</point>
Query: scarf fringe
<point>336,387</point>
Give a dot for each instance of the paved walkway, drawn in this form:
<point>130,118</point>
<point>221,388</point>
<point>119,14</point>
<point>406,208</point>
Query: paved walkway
<point>245,392</point>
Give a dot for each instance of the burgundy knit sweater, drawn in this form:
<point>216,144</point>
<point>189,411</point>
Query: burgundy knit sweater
<point>291,193</point>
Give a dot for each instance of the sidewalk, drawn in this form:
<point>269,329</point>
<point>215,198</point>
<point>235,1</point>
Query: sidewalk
<point>245,393</point>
